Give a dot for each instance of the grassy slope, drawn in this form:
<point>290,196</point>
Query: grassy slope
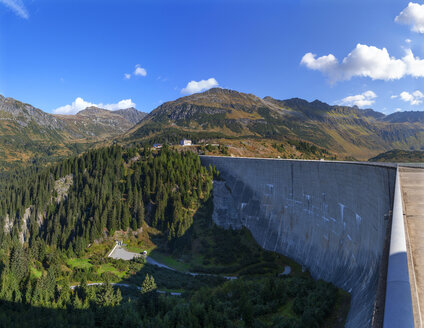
<point>400,156</point>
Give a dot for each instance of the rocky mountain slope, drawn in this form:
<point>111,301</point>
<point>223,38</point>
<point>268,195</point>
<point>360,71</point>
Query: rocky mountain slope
<point>408,116</point>
<point>247,124</point>
<point>102,123</point>
<point>131,114</point>
<point>27,134</point>
<point>220,113</point>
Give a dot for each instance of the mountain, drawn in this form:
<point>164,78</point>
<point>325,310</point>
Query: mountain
<point>99,122</point>
<point>131,114</point>
<point>244,123</point>
<point>228,114</point>
<point>27,134</point>
<point>400,156</point>
<point>408,116</point>
<point>12,110</point>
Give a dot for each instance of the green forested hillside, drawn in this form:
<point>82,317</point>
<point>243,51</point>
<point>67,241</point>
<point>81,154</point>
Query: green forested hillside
<point>57,229</point>
<point>108,190</point>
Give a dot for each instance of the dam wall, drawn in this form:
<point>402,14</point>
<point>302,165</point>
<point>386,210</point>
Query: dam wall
<point>330,217</point>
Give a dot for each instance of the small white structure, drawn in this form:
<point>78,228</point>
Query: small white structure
<point>185,142</point>
<point>157,146</point>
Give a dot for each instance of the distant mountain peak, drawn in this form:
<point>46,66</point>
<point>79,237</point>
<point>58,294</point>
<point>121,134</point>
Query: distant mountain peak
<point>92,110</point>
<point>129,109</point>
<point>220,91</point>
<point>406,116</point>
<point>131,114</point>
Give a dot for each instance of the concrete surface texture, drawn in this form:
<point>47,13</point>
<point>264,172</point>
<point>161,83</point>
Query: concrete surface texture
<point>329,217</point>
<point>412,185</point>
<point>398,306</point>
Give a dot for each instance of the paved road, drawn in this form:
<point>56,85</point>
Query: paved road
<point>412,185</point>
<point>119,252</point>
<point>161,265</point>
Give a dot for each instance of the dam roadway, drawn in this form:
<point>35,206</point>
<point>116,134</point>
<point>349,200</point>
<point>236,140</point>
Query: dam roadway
<point>335,219</point>
<point>412,186</point>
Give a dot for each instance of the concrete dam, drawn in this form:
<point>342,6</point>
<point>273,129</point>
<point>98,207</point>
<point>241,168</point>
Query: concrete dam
<point>333,218</point>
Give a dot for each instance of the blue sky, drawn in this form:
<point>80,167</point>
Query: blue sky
<point>62,55</point>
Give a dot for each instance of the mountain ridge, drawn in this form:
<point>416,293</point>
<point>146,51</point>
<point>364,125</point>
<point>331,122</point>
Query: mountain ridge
<point>217,116</point>
<point>222,113</point>
<point>28,134</point>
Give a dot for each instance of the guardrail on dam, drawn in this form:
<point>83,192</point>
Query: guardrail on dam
<point>398,308</point>
<point>331,217</point>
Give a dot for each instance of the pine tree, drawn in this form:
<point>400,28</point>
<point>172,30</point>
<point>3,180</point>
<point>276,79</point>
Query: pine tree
<point>140,214</point>
<point>125,220</point>
<point>148,285</point>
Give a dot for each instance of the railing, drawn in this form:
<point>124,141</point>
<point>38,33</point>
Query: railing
<point>398,309</point>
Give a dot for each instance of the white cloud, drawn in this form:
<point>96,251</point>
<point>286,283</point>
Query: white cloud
<point>414,65</point>
<point>394,96</point>
<point>398,109</point>
<point>364,99</point>
<point>408,40</point>
<point>17,6</point>
<point>140,71</point>
<point>323,63</point>
<point>414,98</point>
<point>76,106</point>
<point>366,61</point>
<point>80,104</point>
<point>412,15</point>
<point>199,86</point>
<point>123,104</point>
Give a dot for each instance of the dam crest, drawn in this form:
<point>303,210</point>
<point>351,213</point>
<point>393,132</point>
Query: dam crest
<point>333,218</point>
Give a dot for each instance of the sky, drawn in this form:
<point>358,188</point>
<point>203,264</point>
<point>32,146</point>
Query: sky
<point>64,55</point>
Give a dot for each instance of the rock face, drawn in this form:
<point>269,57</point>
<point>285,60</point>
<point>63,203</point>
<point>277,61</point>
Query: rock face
<point>89,122</point>
<point>23,114</point>
<point>131,114</point>
<point>97,122</point>
<point>330,217</point>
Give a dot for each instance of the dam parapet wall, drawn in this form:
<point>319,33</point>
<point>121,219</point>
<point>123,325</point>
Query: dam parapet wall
<point>330,217</point>
<point>398,308</point>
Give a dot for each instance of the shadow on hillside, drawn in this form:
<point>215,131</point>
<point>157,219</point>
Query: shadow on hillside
<point>22,316</point>
<point>177,280</point>
<point>172,280</point>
